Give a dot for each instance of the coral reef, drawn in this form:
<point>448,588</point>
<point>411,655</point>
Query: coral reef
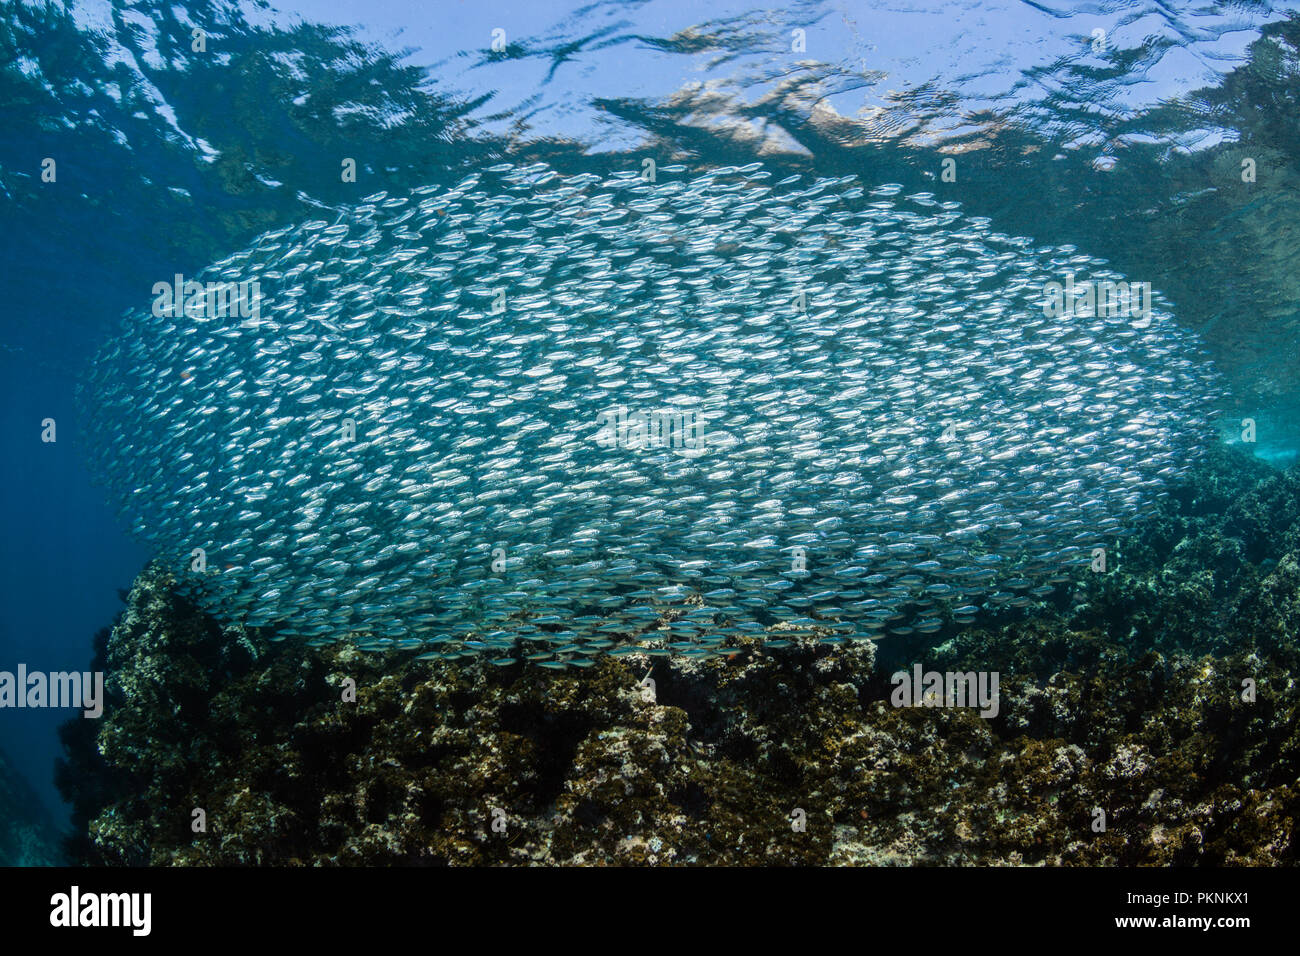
<point>1134,698</point>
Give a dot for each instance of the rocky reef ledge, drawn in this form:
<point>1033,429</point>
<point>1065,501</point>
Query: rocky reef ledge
<point>1129,694</point>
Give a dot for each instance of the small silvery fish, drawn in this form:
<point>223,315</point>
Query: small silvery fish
<point>588,414</point>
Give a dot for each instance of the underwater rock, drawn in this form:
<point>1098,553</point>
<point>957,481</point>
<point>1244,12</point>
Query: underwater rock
<point>1194,579</point>
<point>27,835</point>
<point>595,767</point>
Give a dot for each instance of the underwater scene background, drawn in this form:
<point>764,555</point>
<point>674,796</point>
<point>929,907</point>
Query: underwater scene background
<point>631,399</point>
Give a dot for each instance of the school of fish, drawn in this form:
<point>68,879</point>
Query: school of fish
<point>542,416</point>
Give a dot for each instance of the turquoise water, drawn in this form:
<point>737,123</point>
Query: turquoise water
<point>1166,146</point>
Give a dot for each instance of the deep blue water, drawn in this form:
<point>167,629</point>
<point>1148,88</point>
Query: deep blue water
<point>168,159</point>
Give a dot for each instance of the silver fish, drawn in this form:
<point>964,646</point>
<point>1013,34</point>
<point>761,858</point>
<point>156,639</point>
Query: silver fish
<point>585,414</point>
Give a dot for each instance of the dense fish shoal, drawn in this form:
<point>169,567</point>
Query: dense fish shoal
<point>570,414</point>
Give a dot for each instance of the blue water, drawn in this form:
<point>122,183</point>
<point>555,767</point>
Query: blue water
<point>167,159</point>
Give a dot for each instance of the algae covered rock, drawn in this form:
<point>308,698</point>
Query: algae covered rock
<point>1171,738</point>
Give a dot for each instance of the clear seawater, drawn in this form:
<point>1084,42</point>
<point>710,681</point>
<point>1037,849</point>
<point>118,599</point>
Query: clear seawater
<point>1117,127</point>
